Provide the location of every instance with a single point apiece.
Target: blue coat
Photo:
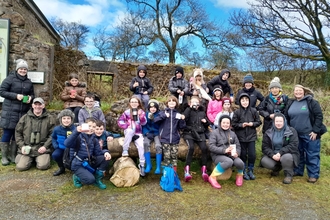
(151, 126)
(60, 134)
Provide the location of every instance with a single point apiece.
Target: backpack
(67, 161)
(170, 180)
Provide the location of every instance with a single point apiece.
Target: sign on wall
(4, 49)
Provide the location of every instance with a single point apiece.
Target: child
(222, 81)
(141, 85)
(226, 110)
(245, 121)
(197, 125)
(85, 170)
(225, 150)
(73, 95)
(170, 122)
(132, 121)
(215, 105)
(179, 88)
(199, 88)
(151, 133)
(60, 133)
(104, 136)
(89, 111)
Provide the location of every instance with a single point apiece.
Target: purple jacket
(125, 121)
(169, 126)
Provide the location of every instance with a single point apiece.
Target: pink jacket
(125, 121)
(213, 108)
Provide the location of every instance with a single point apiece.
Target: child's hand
(79, 128)
(140, 111)
(244, 124)
(109, 138)
(203, 120)
(182, 117)
(107, 156)
(135, 84)
(250, 124)
(167, 114)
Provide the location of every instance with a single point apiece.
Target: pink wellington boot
(214, 183)
(239, 180)
(187, 176)
(204, 174)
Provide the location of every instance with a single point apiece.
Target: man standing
(33, 137)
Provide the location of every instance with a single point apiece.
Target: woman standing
(17, 90)
(305, 115)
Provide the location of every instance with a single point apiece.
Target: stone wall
(30, 40)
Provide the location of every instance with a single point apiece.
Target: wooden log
(126, 174)
(116, 149)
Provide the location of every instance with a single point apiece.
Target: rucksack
(67, 160)
(170, 180)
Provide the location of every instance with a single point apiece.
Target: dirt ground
(37, 194)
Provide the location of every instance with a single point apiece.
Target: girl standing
(215, 105)
(226, 110)
(132, 121)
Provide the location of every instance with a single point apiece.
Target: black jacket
(254, 96)
(195, 128)
(217, 80)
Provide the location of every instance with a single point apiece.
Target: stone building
(32, 38)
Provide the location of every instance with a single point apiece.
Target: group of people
(195, 110)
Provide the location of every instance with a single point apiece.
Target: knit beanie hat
(225, 100)
(275, 83)
(248, 78)
(153, 103)
(20, 63)
(179, 69)
(217, 88)
(65, 112)
(198, 72)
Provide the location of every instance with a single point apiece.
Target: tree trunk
(126, 174)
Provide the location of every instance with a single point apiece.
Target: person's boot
(276, 170)
(250, 172)
(187, 176)
(158, 163)
(4, 153)
(217, 171)
(76, 181)
(205, 176)
(98, 178)
(239, 178)
(148, 162)
(245, 174)
(142, 170)
(60, 171)
(13, 151)
(287, 177)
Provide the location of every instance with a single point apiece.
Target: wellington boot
(239, 180)
(205, 176)
(60, 171)
(142, 170)
(76, 181)
(98, 177)
(245, 175)
(13, 151)
(158, 163)
(148, 162)
(187, 176)
(214, 183)
(4, 153)
(251, 174)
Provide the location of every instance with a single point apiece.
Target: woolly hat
(275, 83)
(248, 78)
(20, 63)
(153, 103)
(225, 100)
(179, 69)
(198, 72)
(66, 112)
(307, 91)
(217, 88)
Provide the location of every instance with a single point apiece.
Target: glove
(135, 137)
(150, 136)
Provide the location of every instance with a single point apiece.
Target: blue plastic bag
(170, 180)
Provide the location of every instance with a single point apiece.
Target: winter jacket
(30, 123)
(95, 113)
(315, 115)
(13, 109)
(169, 126)
(254, 96)
(144, 83)
(268, 107)
(220, 140)
(151, 126)
(60, 134)
(125, 121)
(176, 84)
(242, 115)
(195, 129)
(213, 108)
(80, 91)
(92, 145)
(217, 80)
(290, 144)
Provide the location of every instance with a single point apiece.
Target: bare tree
(170, 21)
(284, 26)
(73, 34)
(218, 58)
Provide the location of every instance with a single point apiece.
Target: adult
(304, 114)
(33, 136)
(222, 82)
(225, 150)
(273, 103)
(17, 91)
(73, 95)
(280, 148)
(248, 88)
(179, 87)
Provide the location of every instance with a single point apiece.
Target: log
(116, 149)
(126, 174)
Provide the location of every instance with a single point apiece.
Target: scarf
(276, 99)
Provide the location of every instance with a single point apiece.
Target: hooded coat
(144, 82)
(61, 132)
(178, 83)
(217, 80)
